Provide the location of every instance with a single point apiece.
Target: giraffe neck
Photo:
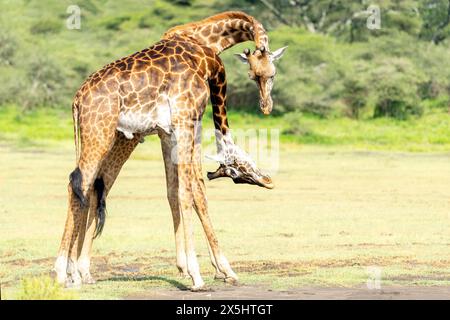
(230, 152)
(223, 31)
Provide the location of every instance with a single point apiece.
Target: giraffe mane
(230, 152)
(189, 27)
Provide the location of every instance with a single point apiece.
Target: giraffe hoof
(201, 288)
(59, 278)
(72, 283)
(219, 276)
(88, 279)
(232, 281)
(183, 275)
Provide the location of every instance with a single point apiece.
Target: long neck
(223, 31)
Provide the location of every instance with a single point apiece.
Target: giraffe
(162, 90)
(236, 164)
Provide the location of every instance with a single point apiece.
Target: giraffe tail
(99, 187)
(76, 129)
(76, 178)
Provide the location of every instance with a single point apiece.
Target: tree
(436, 20)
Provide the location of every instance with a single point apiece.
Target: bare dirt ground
(139, 271)
(259, 293)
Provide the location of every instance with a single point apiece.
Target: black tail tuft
(99, 187)
(76, 183)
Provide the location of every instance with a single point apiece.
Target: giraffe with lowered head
(162, 90)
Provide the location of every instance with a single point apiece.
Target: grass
(331, 215)
(431, 133)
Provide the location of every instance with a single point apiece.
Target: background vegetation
(335, 67)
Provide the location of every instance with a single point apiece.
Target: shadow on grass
(172, 282)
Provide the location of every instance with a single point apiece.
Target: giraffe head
(262, 71)
(237, 165)
(242, 172)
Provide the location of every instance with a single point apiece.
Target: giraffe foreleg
(200, 203)
(218, 259)
(182, 155)
(172, 196)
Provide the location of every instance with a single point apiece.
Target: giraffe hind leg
(90, 184)
(91, 228)
(110, 168)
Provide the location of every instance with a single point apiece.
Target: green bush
(402, 21)
(182, 2)
(147, 21)
(318, 107)
(44, 84)
(8, 48)
(43, 288)
(114, 23)
(441, 102)
(355, 96)
(396, 83)
(45, 26)
(294, 125)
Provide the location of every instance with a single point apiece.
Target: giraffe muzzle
(266, 104)
(266, 182)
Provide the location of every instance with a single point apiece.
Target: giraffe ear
(277, 54)
(242, 57)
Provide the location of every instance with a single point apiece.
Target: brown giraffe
(162, 90)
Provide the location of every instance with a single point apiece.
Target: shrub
(396, 84)
(43, 288)
(12, 89)
(44, 83)
(186, 3)
(355, 96)
(405, 21)
(294, 125)
(318, 107)
(8, 47)
(430, 89)
(114, 23)
(46, 26)
(146, 21)
(242, 95)
(441, 102)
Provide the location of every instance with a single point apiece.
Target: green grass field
(430, 133)
(333, 213)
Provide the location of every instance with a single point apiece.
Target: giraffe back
(151, 89)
